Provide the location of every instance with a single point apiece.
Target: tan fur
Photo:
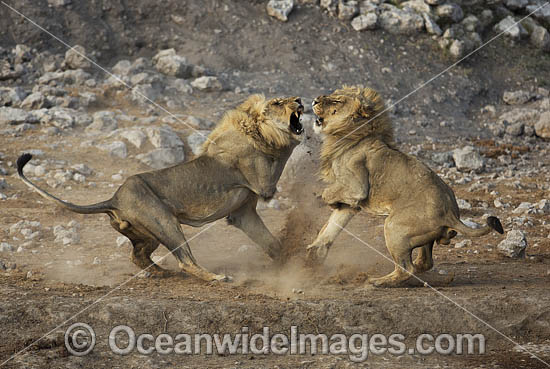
(252, 145)
(364, 170)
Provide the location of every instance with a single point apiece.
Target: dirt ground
(48, 286)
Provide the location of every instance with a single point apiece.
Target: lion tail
(493, 223)
(101, 207)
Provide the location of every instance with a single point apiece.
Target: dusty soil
(54, 286)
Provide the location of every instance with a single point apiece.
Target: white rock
(77, 177)
(116, 177)
(516, 4)
(509, 28)
(96, 261)
(145, 93)
(103, 121)
(195, 141)
(12, 96)
(82, 169)
(540, 38)
(116, 149)
(467, 158)
(121, 240)
(514, 245)
(134, 136)
(15, 116)
(280, 9)
(365, 22)
(523, 115)
(463, 204)
(169, 63)
(122, 68)
(347, 9)
(395, 20)
(207, 83)
(35, 101)
(431, 26)
(450, 12)
(74, 58)
(542, 128)
(463, 243)
(516, 97)
(544, 206)
(59, 2)
(163, 137)
(163, 157)
(524, 208)
(5, 247)
(457, 49)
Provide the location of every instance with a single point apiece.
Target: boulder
(163, 157)
(347, 9)
(74, 58)
(449, 13)
(103, 121)
(400, 21)
(280, 9)
(514, 245)
(467, 158)
(365, 22)
(540, 38)
(163, 137)
(542, 128)
(195, 141)
(207, 83)
(169, 63)
(510, 28)
(516, 97)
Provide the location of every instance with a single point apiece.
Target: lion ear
(366, 108)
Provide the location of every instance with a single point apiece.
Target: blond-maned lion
(365, 170)
(242, 160)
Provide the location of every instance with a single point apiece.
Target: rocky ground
(157, 80)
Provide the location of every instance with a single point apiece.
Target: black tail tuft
(494, 223)
(22, 161)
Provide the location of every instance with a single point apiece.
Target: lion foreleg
(339, 218)
(248, 221)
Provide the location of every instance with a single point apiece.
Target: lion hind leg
(143, 246)
(424, 259)
(398, 242)
(162, 226)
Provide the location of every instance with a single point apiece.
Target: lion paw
(316, 254)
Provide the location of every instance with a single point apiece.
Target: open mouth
(295, 125)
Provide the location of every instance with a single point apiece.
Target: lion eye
(334, 112)
(278, 102)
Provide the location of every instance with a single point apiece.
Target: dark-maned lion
(364, 170)
(242, 161)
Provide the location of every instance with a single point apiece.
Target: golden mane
(249, 119)
(368, 120)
